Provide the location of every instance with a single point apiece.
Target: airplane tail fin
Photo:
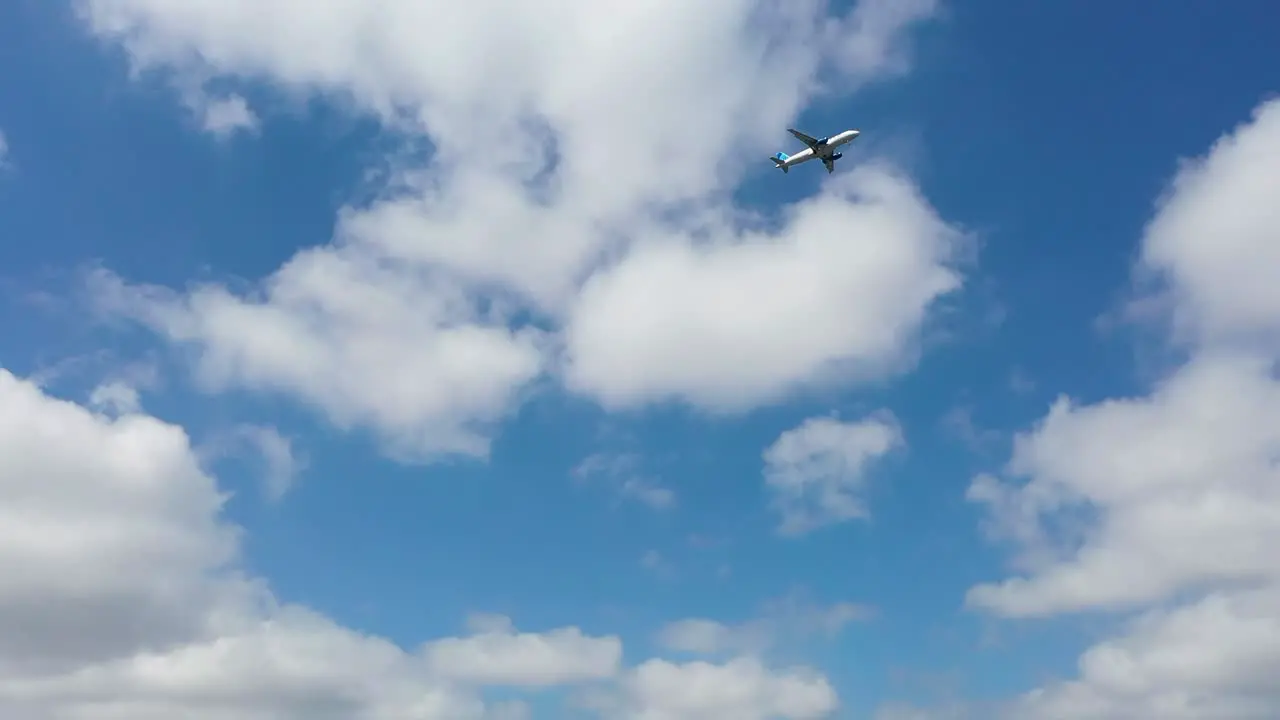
(780, 161)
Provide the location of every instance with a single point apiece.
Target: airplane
(823, 149)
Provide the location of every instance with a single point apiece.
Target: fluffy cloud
(121, 597)
(1213, 243)
(816, 469)
(1172, 500)
(367, 344)
(497, 655)
(741, 320)
(1173, 492)
(741, 689)
(108, 536)
(224, 116)
(568, 224)
(1215, 659)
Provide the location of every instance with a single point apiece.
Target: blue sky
(1042, 136)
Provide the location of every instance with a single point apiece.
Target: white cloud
(108, 536)
(224, 116)
(1215, 659)
(741, 689)
(496, 656)
(817, 469)
(1170, 502)
(1213, 240)
(365, 343)
(742, 320)
(869, 42)
(116, 396)
(121, 386)
(412, 322)
(1173, 492)
(121, 596)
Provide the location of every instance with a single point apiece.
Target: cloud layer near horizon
(122, 596)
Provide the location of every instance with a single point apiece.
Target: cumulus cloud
(109, 539)
(741, 689)
(816, 470)
(1169, 503)
(1210, 659)
(499, 656)
(122, 596)
(366, 343)
(742, 320)
(1212, 245)
(438, 307)
(1177, 491)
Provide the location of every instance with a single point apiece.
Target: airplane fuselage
(826, 148)
(823, 149)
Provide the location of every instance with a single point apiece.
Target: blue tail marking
(779, 161)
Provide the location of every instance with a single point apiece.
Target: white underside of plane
(823, 149)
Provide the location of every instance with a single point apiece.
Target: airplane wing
(830, 163)
(806, 139)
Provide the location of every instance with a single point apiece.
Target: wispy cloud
(622, 474)
(959, 422)
(282, 465)
(1020, 382)
(792, 618)
(816, 470)
(278, 462)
